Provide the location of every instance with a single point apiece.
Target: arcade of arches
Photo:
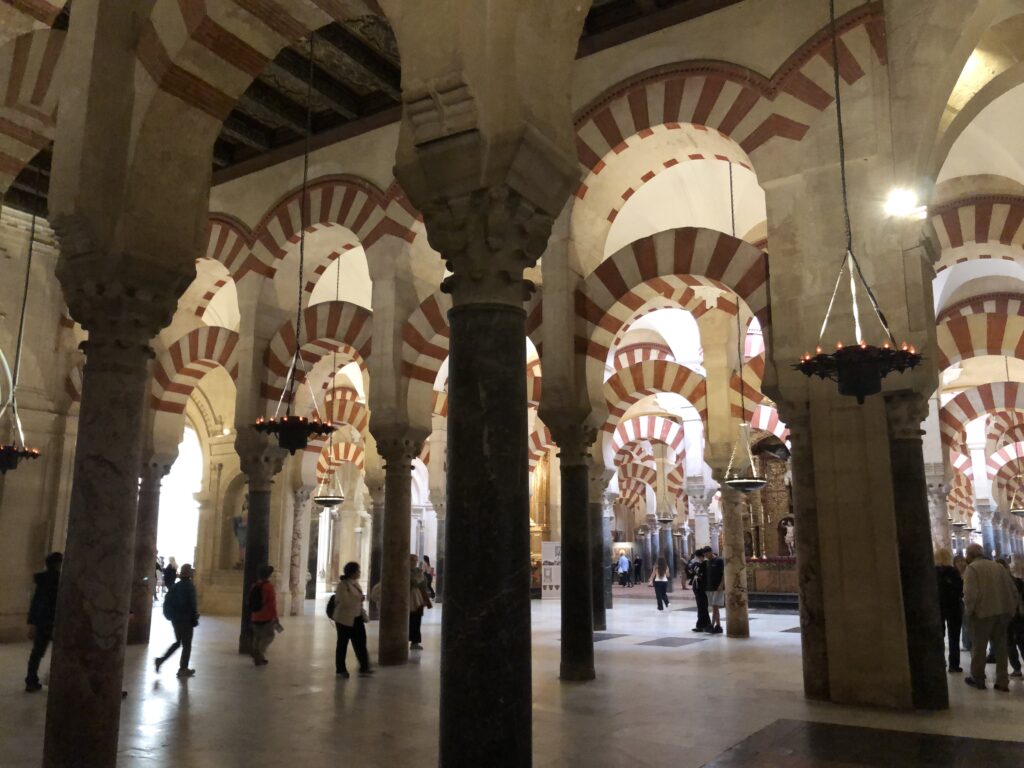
(539, 302)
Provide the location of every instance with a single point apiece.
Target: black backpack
(171, 603)
(330, 607)
(256, 598)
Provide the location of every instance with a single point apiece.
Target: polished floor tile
(650, 705)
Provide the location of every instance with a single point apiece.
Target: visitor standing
(263, 608)
(696, 573)
(659, 578)
(638, 570)
(418, 601)
(180, 608)
(951, 603)
(624, 568)
(41, 614)
(715, 587)
(1015, 636)
(170, 573)
(960, 563)
(991, 598)
(428, 574)
(349, 621)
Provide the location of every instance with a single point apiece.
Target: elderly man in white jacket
(350, 621)
(990, 601)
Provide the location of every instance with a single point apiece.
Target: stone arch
(766, 419)
(636, 473)
(630, 385)
(743, 403)
(32, 78)
(995, 221)
(653, 428)
(964, 337)
(228, 242)
(179, 369)
(978, 401)
(424, 350)
(633, 354)
(1013, 452)
(327, 327)
(539, 443)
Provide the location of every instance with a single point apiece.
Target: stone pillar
(986, 512)
(260, 461)
(297, 563)
(813, 639)
(598, 562)
(439, 502)
(607, 525)
(698, 504)
(715, 534)
(737, 619)
(757, 532)
(397, 450)
(577, 648)
(905, 412)
(376, 486)
(144, 572)
(938, 513)
(122, 304)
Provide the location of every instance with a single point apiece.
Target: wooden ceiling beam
(244, 130)
(340, 98)
(284, 109)
(387, 76)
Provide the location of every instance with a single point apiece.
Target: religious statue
(240, 524)
(789, 537)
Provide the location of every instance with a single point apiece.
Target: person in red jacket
(263, 607)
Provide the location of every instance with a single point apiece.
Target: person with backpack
(659, 579)
(180, 608)
(263, 615)
(345, 609)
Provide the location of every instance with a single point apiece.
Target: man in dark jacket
(714, 586)
(696, 574)
(181, 610)
(41, 614)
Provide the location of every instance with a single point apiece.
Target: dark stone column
(607, 522)
(577, 647)
(666, 549)
(84, 702)
(597, 562)
(376, 540)
(393, 639)
(737, 619)
(260, 467)
(813, 639)
(439, 509)
(144, 572)
(905, 412)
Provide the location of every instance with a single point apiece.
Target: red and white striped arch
(179, 369)
(964, 337)
(675, 482)
(634, 278)
(539, 443)
(639, 472)
(331, 456)
(743, 406)
(326, 327)
(1006, 427)
(631, 354)
(959, 462)
(980, 219)
(630, 385)
(766, 419)
(1011, 304)
(1004, 456)
(534, 380)
(35, 76)
(955, 415)
(424, 349)
(638, 451)
(654, 429)
(736, 101)
(960, 499)
(227, 242)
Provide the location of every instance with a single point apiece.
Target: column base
(576, 674)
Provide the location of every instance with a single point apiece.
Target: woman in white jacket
(350, 621)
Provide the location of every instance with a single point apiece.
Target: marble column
(439, 502)
(577, 604)
(376, 486)
(938, 513)
(260, 461)
(986, 512)
(297, 563)
(398, 451)
(905, 412)
(813, 641)
(122, 305)
(666, 549)
(144, 571)
(715, 534)
(757, 532)
(737, 618)
(607, 525)
(598, 563)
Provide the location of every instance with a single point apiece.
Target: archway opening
(178, 530)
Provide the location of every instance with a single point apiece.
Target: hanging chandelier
(737, 479)
(293, 432)
(857, 368)
(329, 493)
(1016, 503)
(11, 453)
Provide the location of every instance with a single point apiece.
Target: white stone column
(299, 550)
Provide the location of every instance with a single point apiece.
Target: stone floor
(659, 700)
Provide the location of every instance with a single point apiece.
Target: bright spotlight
(903, 203)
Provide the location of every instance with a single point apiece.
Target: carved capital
(608, 504)
(301, 496)
(905, 411)
(599, 478)
(153, 471)
(398, 445)
(574, 439)
(260, 460)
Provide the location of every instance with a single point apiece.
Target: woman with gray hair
(951, 603)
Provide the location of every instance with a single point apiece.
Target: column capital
(599, 477)
(985, 510)
(399, 444)
(608, 504)
(573, 438)
(301, 495)
(905, 411)
(155, 468)
(260, 460)
(438, 502)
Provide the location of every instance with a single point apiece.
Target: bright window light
(903, 203)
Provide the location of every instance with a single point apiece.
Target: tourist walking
(41, 614)
(418, 601)
(951, 603)
(181, 609)
(659, 578)
(715, 587)
(991, 599)
(170, 573)
(624, 569)
(696, 575)
(263, 614)
(428, 574)
(1015, 634)
(346, 610)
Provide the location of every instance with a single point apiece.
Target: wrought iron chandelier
(735, 478)
(11, 453)
(293, 431)
(858, 368)
(1016, 503)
